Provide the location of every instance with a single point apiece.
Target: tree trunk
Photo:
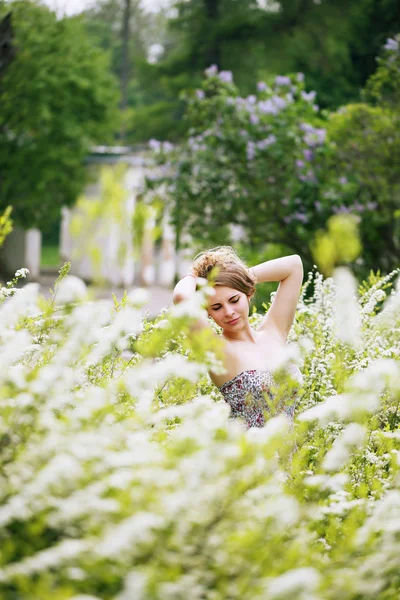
(213, 53)
(125, 66)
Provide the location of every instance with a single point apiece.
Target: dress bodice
(249, 395)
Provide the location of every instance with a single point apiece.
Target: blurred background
(120, 154)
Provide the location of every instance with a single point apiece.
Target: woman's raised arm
(288, 270)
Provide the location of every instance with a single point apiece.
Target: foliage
(334, 43)
(5, 224)
(123, 477)
(340, 244)
(272, 168)
(57, 98)
(104, 217)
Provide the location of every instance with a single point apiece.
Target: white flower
(292, 583)
(70, 289)
(347, 318)
(351, 437)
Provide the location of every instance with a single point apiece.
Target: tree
(57, 98)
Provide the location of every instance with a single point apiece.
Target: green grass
(50, 256)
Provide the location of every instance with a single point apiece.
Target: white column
(147, 273)
(167, 255)
(33, 250)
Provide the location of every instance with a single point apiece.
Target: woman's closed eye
(231, 301)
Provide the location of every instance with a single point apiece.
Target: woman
(247, 381)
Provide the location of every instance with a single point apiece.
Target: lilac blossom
(300, 76)
(226, 76)
(358, 206)
(267, 107)
(243, 133)
(308, 154)
(306, 127)
(279, 102)
(251, 99)
(372, 205)
(343, 180)
(315, 138)
(341, 209)
(282, 80)
(289, 98)
(318, 205)
(308, 97)
(155, 145)
(254, 120)
(200, 94)
(167, 146)
(263, 144)
(211, 71)
(261, 86)
(300, 163)
(250, 150)
(301, 217)
(391, 44)
(315, 107)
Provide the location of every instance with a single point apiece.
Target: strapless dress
(250, 397)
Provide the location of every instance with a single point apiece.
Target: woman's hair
(230, 270)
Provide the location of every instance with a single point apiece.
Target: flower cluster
(122, 475)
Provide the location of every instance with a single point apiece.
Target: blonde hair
(230, 269)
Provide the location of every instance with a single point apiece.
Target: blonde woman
(248, 353)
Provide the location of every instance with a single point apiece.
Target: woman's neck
(245, 334)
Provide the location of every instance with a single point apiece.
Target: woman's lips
(234, 321)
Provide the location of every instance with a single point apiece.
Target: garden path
(159, 297)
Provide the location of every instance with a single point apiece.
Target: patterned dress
(249, 396)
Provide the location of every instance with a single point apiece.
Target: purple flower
(279, 102)
(226, 76)
(251, 99)
(315, 138)
(261, 86)
(267, 107)
(167, 146)
(391, 44)
(254, 120)
(308, 154)
(343, 180)
(308, 97)
(300, 76)
(306, 127)
(300, 217)
(288, 219)
(211, 71)
(263, 144)
(282, 80)
(155, 145)
(244, 133)
(318, 205)
(285, 201)
(358, 207)
(315, 107)
(372, 205)
(300, 163)
(341, 209)
(250, 150)
(200, 94)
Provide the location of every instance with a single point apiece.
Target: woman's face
(229, 308)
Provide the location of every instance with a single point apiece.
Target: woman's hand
(185, 288)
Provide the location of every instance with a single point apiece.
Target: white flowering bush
(122, 476)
